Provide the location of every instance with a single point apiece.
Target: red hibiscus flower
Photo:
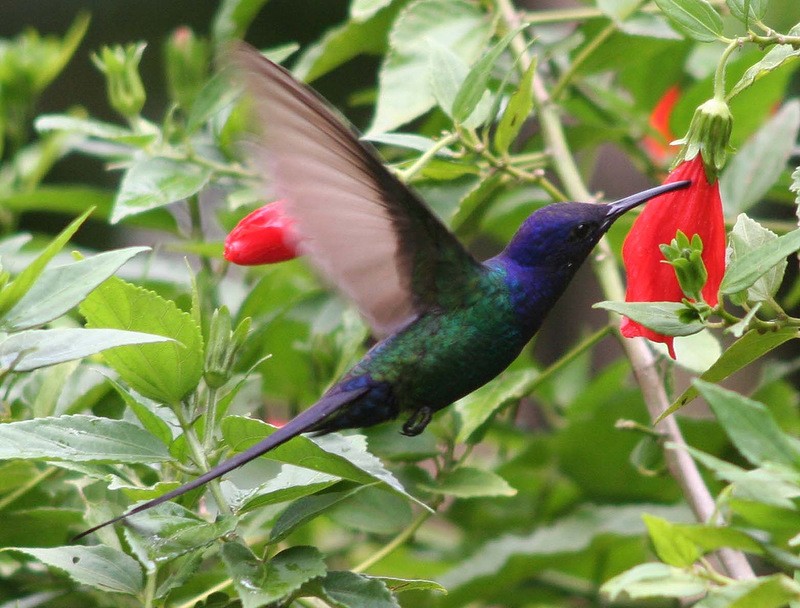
(658, 145)
(265, 236)
(694, 210)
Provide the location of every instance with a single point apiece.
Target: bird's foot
(418, 421)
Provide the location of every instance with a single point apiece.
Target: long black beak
(619, 207)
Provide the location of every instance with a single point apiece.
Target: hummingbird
(447, 323)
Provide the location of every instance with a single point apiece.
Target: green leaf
(104, 568)
(164, 372)
(710, 537)
(671, 546)
(233, 18)
(747, 235)
(351, 590)
(24, 281)
(156, 182)
(151, 421)
(474, 86)
(73, 199)
(654, 580)
(758, 165)
(169, 530)
(34, 348)
(747, 10)
(60, 288)
(697, 19)
(774, 591)
(259, 583)
(398, 585)
(410, 141)
(79, 439)
(340, 44)
(373, 510)
(750, 426)
(217, 94)
(476, 409)
(290, 484)
(743, 272)
(776, 57)
(345, 457)
(448, 71)
(658, 316)
(307, 508)
(468, 482)
(404, 80)
(361, 10)
(752, 346)
(519, 108)
(93, 128)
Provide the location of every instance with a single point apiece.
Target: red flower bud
(693, 210)
(265, 236)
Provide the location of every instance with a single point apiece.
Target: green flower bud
(222, 347)
(187, 59)
(686, 258)
(123, 83)
(709, 133)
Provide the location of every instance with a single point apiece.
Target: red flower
(694, 210)
(658, 146)
(265, 236)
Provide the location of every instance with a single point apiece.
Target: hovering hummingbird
(449, 323)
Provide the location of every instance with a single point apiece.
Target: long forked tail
(303, 422)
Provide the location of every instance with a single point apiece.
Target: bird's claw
(418, 421)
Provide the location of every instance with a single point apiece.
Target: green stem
(204, 594)
(585, 53)
(199, 456)
(211, 420)
(150, 587)
(719, 73)
(406, 174)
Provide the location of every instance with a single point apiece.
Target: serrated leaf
(476, 409)
(747, 234)
(519, 108)
(13, 292)
(405, 90)
(156, 182)
(334, 454)
(164, 372)
(60, 288)
(759, 163)
(697, 19)
(658, 316)
(80, 438)
(169, 530)
(34, 348)
(744, 271)
(672, 547)
(469, 482)
(100, 567)
(775, 58)
(752, 346)
(654, 580)
(351, 590)
(290, 484)
(749, 425)
(259, 583)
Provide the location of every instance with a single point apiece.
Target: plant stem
(23, 489)
(642, 359)
(719, 73)
(425, 158)
(396, 542)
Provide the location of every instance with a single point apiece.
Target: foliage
(547, 487)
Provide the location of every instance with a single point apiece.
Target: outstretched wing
(361, 227)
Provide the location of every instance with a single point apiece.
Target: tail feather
(306, 421)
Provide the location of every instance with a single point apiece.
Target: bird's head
(561, 236)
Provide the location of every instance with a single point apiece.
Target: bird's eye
(581, 231)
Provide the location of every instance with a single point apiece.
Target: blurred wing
(361, 227)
